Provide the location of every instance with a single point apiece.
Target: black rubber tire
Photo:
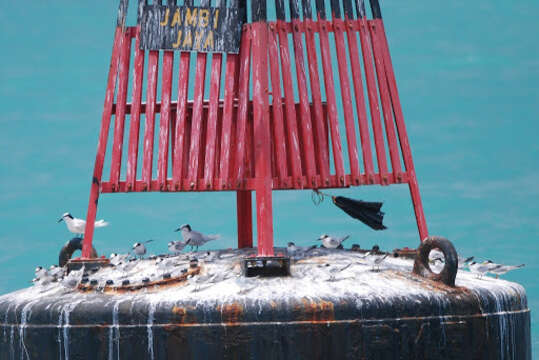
(69, 248)
(421, 263)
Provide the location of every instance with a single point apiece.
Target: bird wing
(211, 237)
(101, 223)
(340, 240)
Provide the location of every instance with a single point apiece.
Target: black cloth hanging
(367, 212)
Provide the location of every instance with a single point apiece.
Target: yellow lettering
(165, 20)
(215, 19)
(208, 44)
(203, 17)
(187, 40)
(177, 43)
(191, 17)
(176, 19)
(198, 38)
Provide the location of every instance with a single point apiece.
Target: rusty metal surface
(268, 330)
(421, 264)
(331, 306)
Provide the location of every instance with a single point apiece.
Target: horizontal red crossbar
(247, 184)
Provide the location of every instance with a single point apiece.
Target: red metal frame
(244, 142)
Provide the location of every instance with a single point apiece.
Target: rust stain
(184, 315)
(231, 313)
(316, 311)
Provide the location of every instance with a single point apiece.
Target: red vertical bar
(305, 109)
(360, 102)
(294, 150)
(172, 132)
(228, 111)
(262, 146)
(179, 154)
(321, 155)
(386, 102)
(346, 100)
(403, 137)
(373, 101)
(215, 82)
(149, 127)
(245, 219)
(332, 102)
(134, 127)
(243, 95)
(277, 107)
(196, 123)
(164, 121)
(102, 144)
(119, 121)
(217, 161)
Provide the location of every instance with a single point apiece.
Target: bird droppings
(315, 273)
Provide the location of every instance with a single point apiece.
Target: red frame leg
(245, 219)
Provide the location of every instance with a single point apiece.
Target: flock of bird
(195, 239)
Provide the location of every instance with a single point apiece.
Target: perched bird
(117, 259)
(77, 226)
(176, 247)
(42, 276)
(481, 268)
(298, 251)
(140, 249)
(40, 272)
(375, 259)
(463, 262)
(501, 269)
(332, 242)
(56, 272)
(194, 238)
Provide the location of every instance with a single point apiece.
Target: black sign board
(191, 28)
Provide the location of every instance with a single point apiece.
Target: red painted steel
(332, 103)
(245, 219)
(211, 140)
(279, 144)
(386, 103)
(351, 140)
(244, 143)
(372, 93)
(102, 144)
(306, 140)
(403, 136)
(196, 125)
(119, 120)
(243, 95)
(134, 127)
(264, 215)
(360, 100)
(149, 126)
(180, 155)
(164, 120)
(294, 158)
(317, 115)
(228, 111)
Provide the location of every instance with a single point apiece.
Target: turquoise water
(467, 74)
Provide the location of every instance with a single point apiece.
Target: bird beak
(319, 239)
(178, 229)
(61, 219)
